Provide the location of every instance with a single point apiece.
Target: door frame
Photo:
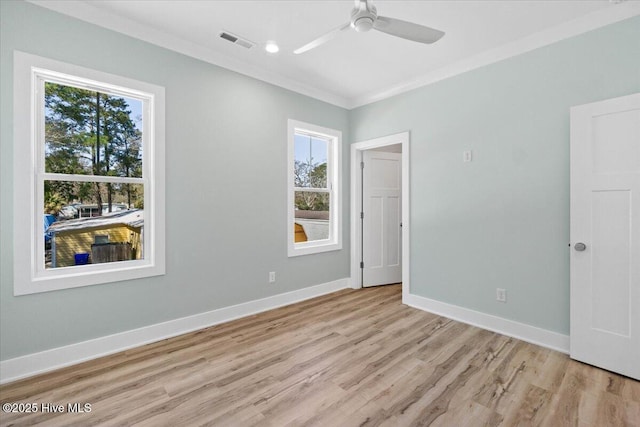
(356, 196)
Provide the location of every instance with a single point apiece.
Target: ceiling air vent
(237, 40)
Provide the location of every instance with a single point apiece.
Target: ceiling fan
(364, 17)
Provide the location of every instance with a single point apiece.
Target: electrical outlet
(501, 295)
(272, 277)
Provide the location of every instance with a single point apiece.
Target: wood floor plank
(351, 358)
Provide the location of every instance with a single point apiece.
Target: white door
(382, 215)
(605, 234)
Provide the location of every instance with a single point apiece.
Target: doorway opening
(397, 144)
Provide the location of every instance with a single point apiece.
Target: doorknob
(580, 247)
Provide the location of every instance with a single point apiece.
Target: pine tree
(92, 133)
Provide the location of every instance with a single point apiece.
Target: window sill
(78, 276)
(309, 248)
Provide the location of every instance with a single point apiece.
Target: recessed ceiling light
(271, 47)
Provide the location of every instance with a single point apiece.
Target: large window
(89, 161)
(314, 184)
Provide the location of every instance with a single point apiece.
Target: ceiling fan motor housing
(363, 17)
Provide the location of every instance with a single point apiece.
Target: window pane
(310, 168)
(92, 133)
(78, 232)
(311, 213)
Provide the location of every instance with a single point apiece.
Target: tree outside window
(91, 133)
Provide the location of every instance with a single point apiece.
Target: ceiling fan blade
(322, 39)
(407, 30)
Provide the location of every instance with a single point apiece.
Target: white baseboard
(521, 331)
(48, 360)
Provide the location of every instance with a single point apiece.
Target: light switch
(467, 156)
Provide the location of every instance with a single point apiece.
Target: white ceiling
(354, 68)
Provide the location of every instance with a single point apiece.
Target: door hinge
(361, 215)
(361, 264)
(361, 165)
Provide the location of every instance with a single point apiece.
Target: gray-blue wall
(226, 192)
(502, 221)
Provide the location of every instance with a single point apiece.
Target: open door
(605, 234)
(382, 218)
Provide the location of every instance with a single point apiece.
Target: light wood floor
(352, 358)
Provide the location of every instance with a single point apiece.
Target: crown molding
(581, 25)
(85, 11)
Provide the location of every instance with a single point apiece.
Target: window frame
(334, 185)
(30, 274)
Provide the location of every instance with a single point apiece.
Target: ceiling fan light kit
(364, 17)
(362, 25)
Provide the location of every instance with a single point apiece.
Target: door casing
(357, 148)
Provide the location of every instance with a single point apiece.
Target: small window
(314, 188)
(89, 159)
